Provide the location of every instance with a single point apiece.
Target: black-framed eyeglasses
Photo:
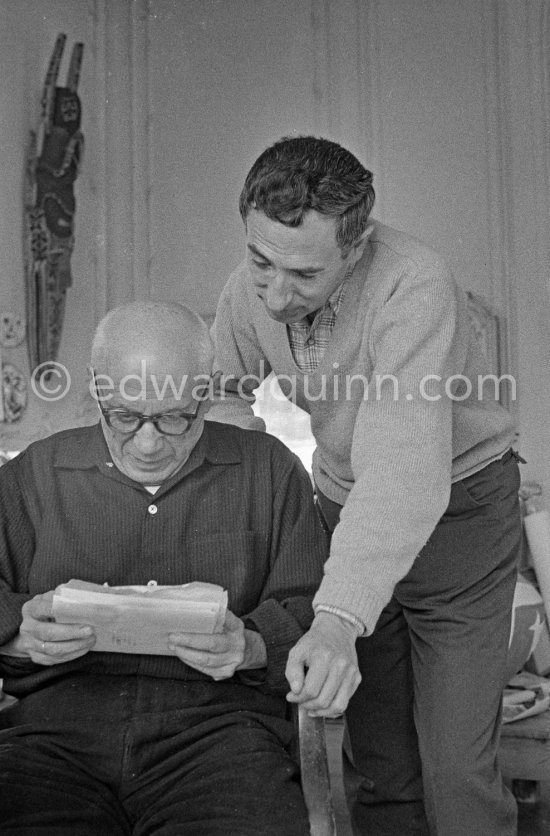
(174, 422)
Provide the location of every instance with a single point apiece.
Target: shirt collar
(333, 303)
(335, 299)
(86, 448)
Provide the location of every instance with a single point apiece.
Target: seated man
(192, 741)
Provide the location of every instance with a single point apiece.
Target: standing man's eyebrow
(258, 254)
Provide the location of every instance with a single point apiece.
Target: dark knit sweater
(239, 514)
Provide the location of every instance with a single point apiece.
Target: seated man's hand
(44, 641)
(219, 655)
(327, 653)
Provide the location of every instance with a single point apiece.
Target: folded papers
(138, 619)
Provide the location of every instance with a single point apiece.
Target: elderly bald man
(192, 741)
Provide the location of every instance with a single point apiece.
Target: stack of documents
(138, 619)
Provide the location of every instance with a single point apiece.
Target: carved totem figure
(53, 163)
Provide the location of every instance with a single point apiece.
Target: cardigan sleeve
(401, 453)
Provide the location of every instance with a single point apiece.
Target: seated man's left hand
(219, 655)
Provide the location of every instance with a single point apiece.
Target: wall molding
(123, 161)
(500, 209)
(347, 94)
(98, 177)
(140, 81)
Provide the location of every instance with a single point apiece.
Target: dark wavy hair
(299, 174)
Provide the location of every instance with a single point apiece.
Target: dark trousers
(112, 756)
(422, 729)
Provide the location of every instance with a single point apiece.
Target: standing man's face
(296, 269)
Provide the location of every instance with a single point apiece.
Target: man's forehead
(314, 238)
(150, 405)
(174, 389)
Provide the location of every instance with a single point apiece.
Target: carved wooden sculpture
(53, 163)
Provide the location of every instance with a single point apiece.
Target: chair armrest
(315, 774)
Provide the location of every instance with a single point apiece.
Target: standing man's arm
(239, 357)
(401, 459)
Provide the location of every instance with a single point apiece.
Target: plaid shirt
(308, 340)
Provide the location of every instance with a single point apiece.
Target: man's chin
(285, 318)
(150, 475)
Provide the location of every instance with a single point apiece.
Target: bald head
(152, 339)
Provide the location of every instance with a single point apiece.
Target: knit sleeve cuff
(280, 632)
(362, 603)
(346, 616)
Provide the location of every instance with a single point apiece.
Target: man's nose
(279, 293)
(148, 438)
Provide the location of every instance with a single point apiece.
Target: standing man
(415, 476)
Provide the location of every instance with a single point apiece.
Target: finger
(320, 675)
(199, 641)
(52, 632)
(215, 667)
(57, 648)
(52, 653)
(232, 622)
(322, 682)
(200, 657)
(327, 705)
(295, 672)
(39, 607)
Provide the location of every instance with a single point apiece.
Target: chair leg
(315, 774)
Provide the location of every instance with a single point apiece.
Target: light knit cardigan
(384, 451)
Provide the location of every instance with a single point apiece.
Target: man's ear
(216, 379)
(214, 388)
(358, 247)
(90, 379)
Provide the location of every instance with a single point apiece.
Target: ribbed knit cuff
(345, 616)
(353, 598)
(280, 632)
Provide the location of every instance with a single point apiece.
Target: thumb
(232, 622)
(295, 670)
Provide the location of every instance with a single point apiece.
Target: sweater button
(152, 509)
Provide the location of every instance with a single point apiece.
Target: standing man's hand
(44, 641)
(322, 668)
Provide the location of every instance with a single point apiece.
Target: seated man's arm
(261, 640)
(28, 635)
(17, 544)
(299, 548)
